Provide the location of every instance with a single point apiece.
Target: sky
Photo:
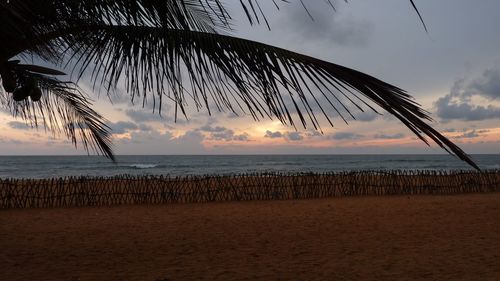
(453, 71)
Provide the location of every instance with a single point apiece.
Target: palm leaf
(229, 72)
(152, 44)
(419, 15)
(37, 69)
(63, 109)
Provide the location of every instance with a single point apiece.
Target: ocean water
(60, 166)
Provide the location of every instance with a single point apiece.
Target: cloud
(149, 137)
(122, 127)
(291, 136)
(314, 133)
(208, 128)
(389, 136)
(220, 133)
(457, 105)
(156, 142)
(488, 85)
(144, 116)
(273, 135)
(345, 136)
(144, 127)
(191, 136)
(328, 26)
(18, 125)
(226, 135)
(242, 137)
(294, 136)
(469, 134)
(448, 108)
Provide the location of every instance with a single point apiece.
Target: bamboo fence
(127, 189)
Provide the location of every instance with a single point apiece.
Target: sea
(175, 165)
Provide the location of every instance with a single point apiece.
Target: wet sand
(366, 238)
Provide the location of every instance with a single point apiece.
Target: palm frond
(64, 109)
(419, 15)
(153, 45)
(26, 23)
(229, 72)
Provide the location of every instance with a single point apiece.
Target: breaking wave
(143, 166)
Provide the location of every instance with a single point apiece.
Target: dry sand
(370, 238)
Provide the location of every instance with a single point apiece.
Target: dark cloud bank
(345, 136)
(291, 136)
(457, 105)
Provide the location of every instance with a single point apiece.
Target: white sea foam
(143, 166)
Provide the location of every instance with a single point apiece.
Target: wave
(143, 166)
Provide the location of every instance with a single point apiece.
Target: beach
(425, 237)
(249, 140)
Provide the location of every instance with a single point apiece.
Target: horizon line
(231, 154)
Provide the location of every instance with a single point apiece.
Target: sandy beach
(453, 237)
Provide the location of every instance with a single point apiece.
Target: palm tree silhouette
(177, 50)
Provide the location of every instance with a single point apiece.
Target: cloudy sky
(453, 71)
